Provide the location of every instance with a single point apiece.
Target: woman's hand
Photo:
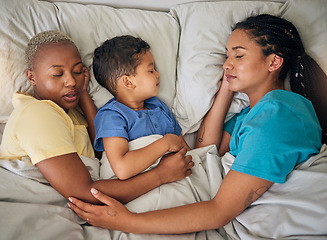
(112, 215)
(174, 166)
(88, 107)
(86, 79)
(85, 93)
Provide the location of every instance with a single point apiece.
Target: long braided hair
(279, 36)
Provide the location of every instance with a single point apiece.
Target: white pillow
(310, 19)
(19, 21)
(89, 26)
(205, 28)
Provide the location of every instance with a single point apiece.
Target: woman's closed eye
(57, 75)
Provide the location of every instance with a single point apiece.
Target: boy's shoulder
(112, 104)
(114, 107)
(155, 102)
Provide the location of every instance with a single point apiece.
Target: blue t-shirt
(115, 119)
(278, 133)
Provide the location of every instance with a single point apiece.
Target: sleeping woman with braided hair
(278, 131)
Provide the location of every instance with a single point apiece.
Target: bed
(187, 40)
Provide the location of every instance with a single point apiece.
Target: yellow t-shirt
(41, 129)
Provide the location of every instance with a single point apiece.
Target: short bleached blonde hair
(42, 39)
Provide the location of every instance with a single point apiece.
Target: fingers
(80, 208)
(103, 197)
(87, 211)
(183, 151)
(190, 164)
(86, 70)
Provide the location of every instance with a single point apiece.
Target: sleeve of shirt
(229, 125)
(44, 132)
(109, 123)
(269, 142)
(177, 127)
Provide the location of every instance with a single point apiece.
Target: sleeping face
(246, 68)
(57, 74)
(146, 78)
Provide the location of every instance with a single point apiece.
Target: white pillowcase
(89, 26)
(19, 21)
(310, 19)
(205, 28)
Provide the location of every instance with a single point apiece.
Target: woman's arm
(237, 192)
(126, 163)
(87, 105)
(211, 129)
(69, 176)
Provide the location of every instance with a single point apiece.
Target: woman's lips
(71, 96)
(229, 77)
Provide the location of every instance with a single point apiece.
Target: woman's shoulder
(288, 109)
(285, 99)
(25, 104)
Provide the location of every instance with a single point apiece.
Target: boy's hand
(174, 166)
(174, 142)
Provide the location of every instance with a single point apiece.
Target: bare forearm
(136, 161)
(127, 190)
(89, 109)
(185, 219)
(211, 128)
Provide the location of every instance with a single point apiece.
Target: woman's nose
(70, 81)
(227, 64)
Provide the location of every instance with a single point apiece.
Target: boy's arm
(126, 163)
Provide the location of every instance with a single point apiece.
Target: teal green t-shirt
(278, 133)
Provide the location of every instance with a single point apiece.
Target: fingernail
(94, 191)
(70, 199)
(69, 205)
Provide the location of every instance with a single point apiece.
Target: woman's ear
(30, 76)
(275, 63)
(127, 82)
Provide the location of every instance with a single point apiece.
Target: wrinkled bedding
(31, 209)
(296, 209)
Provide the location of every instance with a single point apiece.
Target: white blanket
(31, 209)
(197, 187)
(296, 209)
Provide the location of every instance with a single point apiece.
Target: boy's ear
(30, 76)
(127, 82)
(276, 63)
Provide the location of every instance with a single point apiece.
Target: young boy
(125, 66)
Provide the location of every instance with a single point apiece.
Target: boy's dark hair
(279, 36)
(117, 57)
